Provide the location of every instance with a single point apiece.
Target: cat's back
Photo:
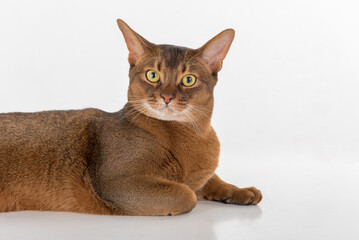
(43, 154)
(15, 123)
(36, 136)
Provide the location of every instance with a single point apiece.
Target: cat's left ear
(216, 49)
(136, 44)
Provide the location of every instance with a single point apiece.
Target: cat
(156, 156)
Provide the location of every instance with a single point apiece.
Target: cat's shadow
(228, 211)
(207, 221)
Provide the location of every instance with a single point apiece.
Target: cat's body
(138, 161)
(44, 158)
(91, 147)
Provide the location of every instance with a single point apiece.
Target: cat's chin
(166, 114)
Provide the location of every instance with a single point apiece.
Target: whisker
(201, 107)
(199, 111)
(139, 112)
(134, 110)
(192, 121)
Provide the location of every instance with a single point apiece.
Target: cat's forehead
(173, 56)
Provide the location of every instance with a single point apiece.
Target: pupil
(153, 75)
(188, 79)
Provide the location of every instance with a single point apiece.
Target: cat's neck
(200, 126)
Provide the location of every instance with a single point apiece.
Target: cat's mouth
(166, 109)
(166, 112)
(160, 110)
(173, 111)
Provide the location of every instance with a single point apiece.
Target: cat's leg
(218, 190)
(148, 195)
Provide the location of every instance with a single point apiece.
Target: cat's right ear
(136, 44)
(216, 49)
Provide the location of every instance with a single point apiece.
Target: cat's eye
(188, 80)
(152, 76)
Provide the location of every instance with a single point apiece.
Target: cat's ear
(136, 44)
(216, 49)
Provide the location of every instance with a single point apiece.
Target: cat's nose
(167, 97)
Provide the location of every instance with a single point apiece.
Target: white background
(286, 104)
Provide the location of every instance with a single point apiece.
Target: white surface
(302, 201)
(286, 108)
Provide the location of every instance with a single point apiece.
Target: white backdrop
(288, 89)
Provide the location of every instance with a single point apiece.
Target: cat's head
(174, 83)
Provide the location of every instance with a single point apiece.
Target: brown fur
(129, 162)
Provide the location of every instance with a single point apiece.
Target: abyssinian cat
(156, 156)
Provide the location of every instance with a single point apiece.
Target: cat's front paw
(245, 196)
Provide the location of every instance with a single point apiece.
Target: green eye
(188, 80)
(152, 76)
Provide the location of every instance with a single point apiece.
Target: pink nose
(167, 97)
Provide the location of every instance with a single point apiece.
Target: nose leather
(167, 97)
